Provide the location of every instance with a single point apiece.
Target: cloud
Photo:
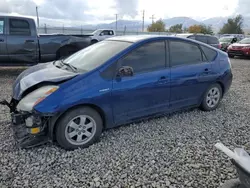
(243, 8)
(127, 7)
(55, 9)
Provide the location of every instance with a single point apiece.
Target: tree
(233, 26)
(158, 26)
(176, 28)
(200, 29)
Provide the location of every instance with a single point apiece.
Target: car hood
(44, 72)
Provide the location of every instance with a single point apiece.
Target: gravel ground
(173, 151)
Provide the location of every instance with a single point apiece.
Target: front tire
(79, 128)
(212, 98)
(231, 56)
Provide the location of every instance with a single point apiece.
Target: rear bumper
(23, 137)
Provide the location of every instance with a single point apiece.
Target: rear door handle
(29, 41)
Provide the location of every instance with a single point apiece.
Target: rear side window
(213, 40)
(19, 27)
(202, 39)
(184, 53)
(1, 26)
(209, 53)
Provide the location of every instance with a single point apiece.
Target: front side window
(95, 55)
(149, 57)
(1, 26)
(184, 53)
(19, 27)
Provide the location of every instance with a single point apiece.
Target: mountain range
(136, 25)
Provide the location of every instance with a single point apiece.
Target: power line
(152, 17)
(143, 17)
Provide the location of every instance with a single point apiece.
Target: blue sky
(96, 11)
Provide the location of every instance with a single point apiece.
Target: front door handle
(1, 40)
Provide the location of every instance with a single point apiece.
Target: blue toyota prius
(114, 82)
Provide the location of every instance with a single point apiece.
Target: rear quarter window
(209, 53)
(213, 40)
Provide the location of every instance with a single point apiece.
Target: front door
(22, 42)
(147, 91)
(191, 73)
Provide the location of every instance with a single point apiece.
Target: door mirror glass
(125, 71)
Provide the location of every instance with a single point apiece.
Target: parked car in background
(21, 45)
(114, 82)
(241, 48)
(208, 39)
(99, 35)
(227, 41)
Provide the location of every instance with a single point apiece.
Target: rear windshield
(213, 40)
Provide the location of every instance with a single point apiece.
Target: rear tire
(79, 128)
(212, 98)
(94, 41)
(65, 52)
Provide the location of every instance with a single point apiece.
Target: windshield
(95, 55)
(245, 41)
(225, 39)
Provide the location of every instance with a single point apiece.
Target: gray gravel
(173, 151)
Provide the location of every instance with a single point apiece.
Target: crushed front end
(29, 128)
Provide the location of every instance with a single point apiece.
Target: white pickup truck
(99, 35)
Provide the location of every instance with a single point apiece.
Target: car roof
(138, 38)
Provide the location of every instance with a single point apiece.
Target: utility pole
(116, 16)
(143, 16)
(37, 17)
(152, 17)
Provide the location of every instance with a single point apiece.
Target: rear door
(4, 57)
(191, 73)
(22, 42)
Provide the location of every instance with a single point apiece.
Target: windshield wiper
(69, 65)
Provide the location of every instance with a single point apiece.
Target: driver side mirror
(125, 71)
(101, 34)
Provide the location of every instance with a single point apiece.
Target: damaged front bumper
(29, 129)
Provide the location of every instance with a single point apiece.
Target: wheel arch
(54, 120)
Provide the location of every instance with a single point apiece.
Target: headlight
(35, 97)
